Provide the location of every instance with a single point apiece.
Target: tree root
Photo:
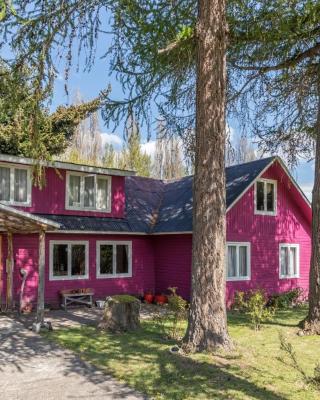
(309, 328)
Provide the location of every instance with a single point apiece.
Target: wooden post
(41, 278)
(1, 273)
(9, 265)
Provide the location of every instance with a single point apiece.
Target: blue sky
(90, 84)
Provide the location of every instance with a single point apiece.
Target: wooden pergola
(13, 221)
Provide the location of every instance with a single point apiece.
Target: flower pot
(161, 299)
(148, 298)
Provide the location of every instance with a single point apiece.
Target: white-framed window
(114, 259)
(238, 261)
(265, 197)
(289, 260)
(68, 260)
(88, 192)
(15, 185)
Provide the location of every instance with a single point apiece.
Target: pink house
(111, 231)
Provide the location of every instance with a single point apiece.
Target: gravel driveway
(31, 368)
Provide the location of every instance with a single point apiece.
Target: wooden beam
(9, 265)
(1, 273)
(41, 278)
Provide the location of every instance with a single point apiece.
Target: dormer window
(88, 192)
(15, 185)
(266, 197)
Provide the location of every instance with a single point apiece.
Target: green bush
(169, 321)
(254, 304)
(291, 298)
(124, 298)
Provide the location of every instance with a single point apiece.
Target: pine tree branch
(290, 62)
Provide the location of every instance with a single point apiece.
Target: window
(266, 197)
(68, 260)
(88, 192)
(15, 185)
(238, 261)
(114, 259)
(289, 260)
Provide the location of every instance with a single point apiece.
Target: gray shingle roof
(156, 206)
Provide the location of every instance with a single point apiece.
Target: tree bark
(207, 325)
(312, 322)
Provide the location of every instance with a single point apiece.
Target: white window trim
(289, 245)
(259, 212)
(113, 243)
(239, 278)
(11, 202)
(81, 207)
(68, 277)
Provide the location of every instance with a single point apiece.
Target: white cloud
(307, 189)
(111, 138)
(149, 147)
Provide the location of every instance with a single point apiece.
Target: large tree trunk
(312, 323)
(207, 325)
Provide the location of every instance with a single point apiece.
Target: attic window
(88, 192)
(266, 197)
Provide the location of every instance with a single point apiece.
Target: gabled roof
(157, 207)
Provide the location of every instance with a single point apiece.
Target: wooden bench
(77, 296)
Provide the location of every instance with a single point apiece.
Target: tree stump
(121, 314)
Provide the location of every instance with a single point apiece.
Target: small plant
(169, 322)
(254, 304)
(239, 301)
(291, 298)
(288, 350)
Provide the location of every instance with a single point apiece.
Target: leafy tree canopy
(17, 114)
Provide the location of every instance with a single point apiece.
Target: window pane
(260, 196)
(60, 259)
(78, 259)
(293, 260)
(270, 196)
(243, 261)
(102, 194)
(89, 191)
(232, 261)
(74, 190)
(106, 258)
(20, 185)
(284, 261)
(4, 184)
(122, 259)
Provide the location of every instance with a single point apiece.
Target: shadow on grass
(143, 360)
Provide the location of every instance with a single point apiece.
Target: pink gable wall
(265, 233)
(51, 199)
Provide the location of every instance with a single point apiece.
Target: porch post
(9, 267)
(41, 279)
(1, 273)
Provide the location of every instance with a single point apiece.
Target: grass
(254, 371)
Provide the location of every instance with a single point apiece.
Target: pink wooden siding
(51, 199)
(265, 233)
(26, 256)
(161, 261)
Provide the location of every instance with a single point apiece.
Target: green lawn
(253, 371)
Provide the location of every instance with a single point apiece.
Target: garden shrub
(290, 298)
(169, 322)
(254, 304)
